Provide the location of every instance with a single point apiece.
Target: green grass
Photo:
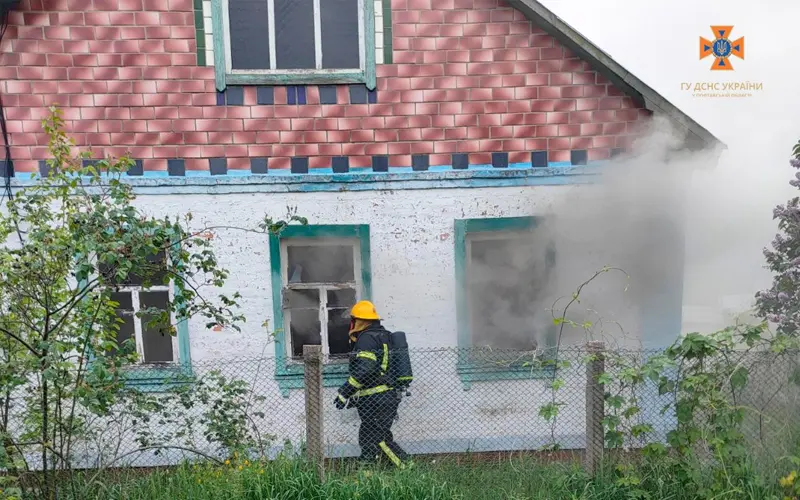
(279, 480)
(510, 480)
(529, 479)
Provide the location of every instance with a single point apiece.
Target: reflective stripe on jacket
(369, 362)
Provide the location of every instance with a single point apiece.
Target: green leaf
(631, 411)
(549, 411)
(641, 430)
(739, 377)
(654, 450)
(615, 401)
(665, 386)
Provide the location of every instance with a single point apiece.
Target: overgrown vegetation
(284, 479)
(67, 244)
(512, 479)
(692, 412)
(699, 385)
(780, 304)
(67, 397)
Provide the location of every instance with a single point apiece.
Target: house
(413, 134)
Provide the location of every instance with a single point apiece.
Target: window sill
(293, 377)
(470, 373)
(157, 378)
(294, 78)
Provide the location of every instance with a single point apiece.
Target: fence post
(312, 360)
(595, 440)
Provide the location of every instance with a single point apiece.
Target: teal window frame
(224, 75)
(467, 370)
(291, 375)
(158, 378)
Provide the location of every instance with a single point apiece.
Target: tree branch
(18, 339)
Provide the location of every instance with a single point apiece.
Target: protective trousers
(377, 414)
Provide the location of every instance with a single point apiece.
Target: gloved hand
(340, 402)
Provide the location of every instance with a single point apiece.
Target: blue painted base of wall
(321, 180)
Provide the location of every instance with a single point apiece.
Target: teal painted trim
(474, 170)
(294, 78)
(366, 261)
(184, 345)
(182, 326)
(388, 56)
(466, 370)
(219, 44)
(462, 319)
(277, 310)
(369, 44)
(332, 369)
(358, 181)
(287, 384)
(290, 375)
(499, 224)
(149, 378)
(326, 231)
(468, 375)
(157, 379)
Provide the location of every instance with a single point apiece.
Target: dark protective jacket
(369, 363)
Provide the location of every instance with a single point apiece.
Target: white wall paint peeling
(413, 285)
(411, 244)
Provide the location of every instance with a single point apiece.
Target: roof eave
(697, 137)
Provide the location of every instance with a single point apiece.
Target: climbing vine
(683, 405)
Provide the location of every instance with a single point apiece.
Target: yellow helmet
(364, 310)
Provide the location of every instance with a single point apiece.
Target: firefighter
(369, 387)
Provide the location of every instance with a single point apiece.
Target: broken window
(144, 310)
(507, 279)
(321, 284)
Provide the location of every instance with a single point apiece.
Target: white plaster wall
(413, 275)
(413, 287)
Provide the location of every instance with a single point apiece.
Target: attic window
(297, 41)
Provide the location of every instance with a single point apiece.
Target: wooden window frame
(356, 284)
(467, 230)
(156, 377)
(225, 75)
(289, 373)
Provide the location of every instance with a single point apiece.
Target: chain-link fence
(466, 403)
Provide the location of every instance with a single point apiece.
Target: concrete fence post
(312, 360)
(595, 411)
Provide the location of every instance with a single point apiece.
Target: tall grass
(511, 480)
(532, 479)
(278, 480)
